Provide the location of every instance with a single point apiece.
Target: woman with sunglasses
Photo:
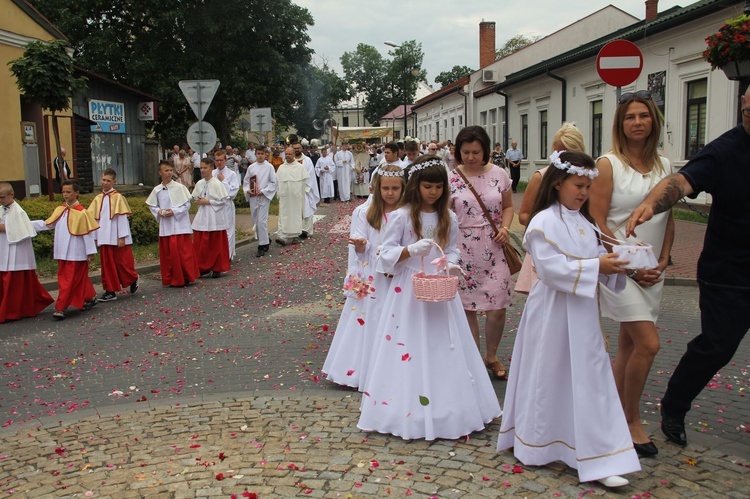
(626, 175)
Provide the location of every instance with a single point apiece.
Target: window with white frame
(525, 135)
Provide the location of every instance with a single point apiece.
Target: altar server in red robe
(210, 223)
(111, 210)
(21, 293)
(169, 202)
(75, 247)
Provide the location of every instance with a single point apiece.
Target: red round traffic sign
(619, 63)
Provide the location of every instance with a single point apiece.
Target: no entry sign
(619, 63)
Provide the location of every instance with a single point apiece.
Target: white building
(531, 99)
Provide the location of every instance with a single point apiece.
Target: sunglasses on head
(627, 97)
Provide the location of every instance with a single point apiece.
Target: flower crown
(384, 173)
(426, 164)
(554, 159)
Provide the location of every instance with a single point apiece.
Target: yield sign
(199, 94)
(619, 63)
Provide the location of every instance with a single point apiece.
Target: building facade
(531, 99)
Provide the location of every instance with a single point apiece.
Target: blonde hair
(377, 206)
(570, 137)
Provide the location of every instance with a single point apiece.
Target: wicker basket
(434, 287)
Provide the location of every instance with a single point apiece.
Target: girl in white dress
(561, 403)
(349, 355)
(426, 377)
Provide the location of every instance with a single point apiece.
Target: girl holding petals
(426, 378)
(348, 357)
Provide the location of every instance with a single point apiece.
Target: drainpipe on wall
(505, 118)
(466, 105)
(564, 92)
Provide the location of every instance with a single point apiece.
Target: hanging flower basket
(736, 70)
(729, 48)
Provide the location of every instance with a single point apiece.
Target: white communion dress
(561, 403)
(426, 378)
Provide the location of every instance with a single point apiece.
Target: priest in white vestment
(293, 186)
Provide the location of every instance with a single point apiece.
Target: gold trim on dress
(613, 453)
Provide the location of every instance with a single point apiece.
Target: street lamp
(414, 72)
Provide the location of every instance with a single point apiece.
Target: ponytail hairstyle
(548, 194)
(377, 206)
(428, 168)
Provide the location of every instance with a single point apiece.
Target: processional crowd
(428, 254)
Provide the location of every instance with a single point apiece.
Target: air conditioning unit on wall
(489, 75)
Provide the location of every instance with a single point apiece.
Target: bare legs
(493, 331)
(638, 344)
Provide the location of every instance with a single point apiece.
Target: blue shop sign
(109, 116)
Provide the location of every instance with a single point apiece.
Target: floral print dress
(488, 283)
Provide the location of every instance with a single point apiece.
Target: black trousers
(515, 176)
(725, 319)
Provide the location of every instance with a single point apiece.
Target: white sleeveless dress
(635, 303)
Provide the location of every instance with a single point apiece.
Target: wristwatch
(632, 274)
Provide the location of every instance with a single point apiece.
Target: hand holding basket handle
(420, 248)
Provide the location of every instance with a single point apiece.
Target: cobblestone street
(216, 390)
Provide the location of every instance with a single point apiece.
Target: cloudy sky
(449, 35)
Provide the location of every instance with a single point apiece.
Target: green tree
(45, 76)
(514, 44)
(382, 80)
(257, 49)
(448, 77)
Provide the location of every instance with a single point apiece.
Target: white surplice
(326, 176)
(267, 183)
(67, 246)
(112, 229)
(211, 217)
(161, 199)
(231, 183)
(16, 248)
(561, 403)
(425, 378)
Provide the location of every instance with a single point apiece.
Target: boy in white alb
(114, 238)
(260, 187)
(231, 181)
(210, 240)
(169, 202)
(21, 293)
(325, 168)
